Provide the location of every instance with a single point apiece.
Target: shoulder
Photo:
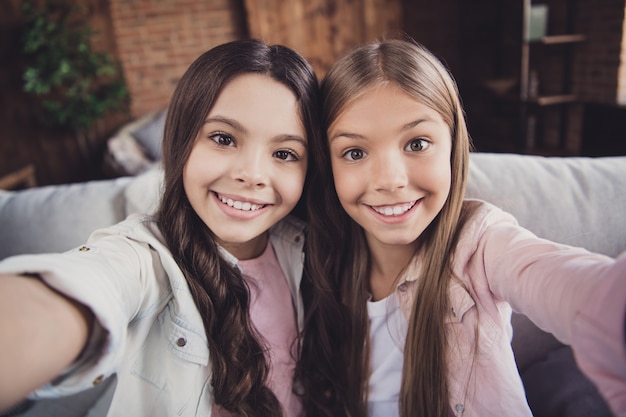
(141, 228)
(480, 220)
(480, 215)
(290, 228)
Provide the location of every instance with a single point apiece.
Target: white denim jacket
(156, 343)
(578, 296)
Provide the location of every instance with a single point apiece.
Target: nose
(252, 168)
(389, 172)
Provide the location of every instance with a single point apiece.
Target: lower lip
(395, 219)
(236, 213)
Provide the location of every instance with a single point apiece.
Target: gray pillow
(150, 135)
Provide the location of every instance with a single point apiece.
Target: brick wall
(157, 40)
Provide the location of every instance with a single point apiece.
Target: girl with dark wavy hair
(428, 278)
(196, 309)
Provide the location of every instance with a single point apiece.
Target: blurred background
(543, 78)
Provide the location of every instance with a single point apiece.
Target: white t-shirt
(388, 328)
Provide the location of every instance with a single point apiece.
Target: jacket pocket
(468, 330)
(163, 364)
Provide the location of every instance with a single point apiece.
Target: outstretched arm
(41, 333)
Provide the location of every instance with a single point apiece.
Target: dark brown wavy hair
(337, 253)
(239, 365)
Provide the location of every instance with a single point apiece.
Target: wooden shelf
(560, 39)
(536, 137)
(552, 100)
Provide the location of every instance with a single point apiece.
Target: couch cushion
(57, 218)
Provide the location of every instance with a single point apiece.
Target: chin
(398, 240)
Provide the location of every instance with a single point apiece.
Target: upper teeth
(394, 210)
(240, 205)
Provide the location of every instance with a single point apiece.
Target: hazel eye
(286, 155)
(222, 139)
(354, 154)
(417, 145)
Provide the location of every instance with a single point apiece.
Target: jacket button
(459, 408)
(181, 341)
(98, 380)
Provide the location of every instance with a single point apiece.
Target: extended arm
(578, 296)
(41, 333)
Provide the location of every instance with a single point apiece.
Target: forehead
(259, 100)
(384, 105)
(253, 88)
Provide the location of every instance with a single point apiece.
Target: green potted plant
(74, 85)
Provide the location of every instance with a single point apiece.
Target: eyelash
(349, 154)
(220, 137)
(423, 142)
(290, 157)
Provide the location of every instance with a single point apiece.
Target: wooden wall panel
(323, 30)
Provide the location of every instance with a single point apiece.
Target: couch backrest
(56, 218)
(575, 200)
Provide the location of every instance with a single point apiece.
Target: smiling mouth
(395, 210)
(240, 205)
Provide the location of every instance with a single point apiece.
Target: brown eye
(222, 139)
(354, 154)
(286, 155)
(417, 145)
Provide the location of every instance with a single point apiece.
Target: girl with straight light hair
(428, 279)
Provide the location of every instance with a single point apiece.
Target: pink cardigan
(578, 296)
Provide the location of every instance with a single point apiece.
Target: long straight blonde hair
(337, 246)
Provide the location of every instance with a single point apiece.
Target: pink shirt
(578, 296)
(273, 315)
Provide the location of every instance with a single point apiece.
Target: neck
(247, 250)
(387, 264)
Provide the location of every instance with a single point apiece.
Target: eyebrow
(406, 126)
(231, 122)
(239, 127)
(346, 135)
(414, 123)
(291, 138)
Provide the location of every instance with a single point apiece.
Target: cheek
(346, 183)
(197, 171)
(196, 165)
(292, 185)
(444, 177)
(437, 177)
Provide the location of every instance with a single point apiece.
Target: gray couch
(578, 201)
